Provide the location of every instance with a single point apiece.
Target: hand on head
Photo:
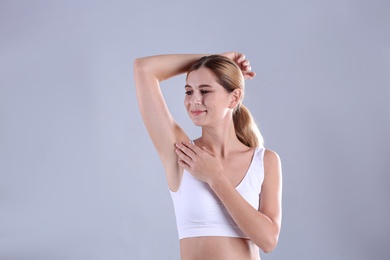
(242, 62)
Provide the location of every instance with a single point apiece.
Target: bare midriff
(218, 248)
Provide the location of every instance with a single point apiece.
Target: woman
(226, 188)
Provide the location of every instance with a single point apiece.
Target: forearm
(162, 67)
(257, 226)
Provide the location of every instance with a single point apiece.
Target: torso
(218, 248)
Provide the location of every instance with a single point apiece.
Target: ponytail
(246, 129)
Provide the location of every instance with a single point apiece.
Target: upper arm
(162, 128)
(271, 190)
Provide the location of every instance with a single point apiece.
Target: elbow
(269, 244)
(139, 64)
(143, 67)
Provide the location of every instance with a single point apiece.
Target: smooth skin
(217, 158)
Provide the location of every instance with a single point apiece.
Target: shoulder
(272, 162)
(271, 156)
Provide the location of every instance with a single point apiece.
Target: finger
(246, 68)
(192, 147)
(186, 149)
(183, 159)
(184, 165)
(182, 155)
(245, 63)
(249, 75)
(241, 57)
(179, 150)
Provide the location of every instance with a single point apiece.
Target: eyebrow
(200, 86)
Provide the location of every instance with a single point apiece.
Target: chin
(198, 122)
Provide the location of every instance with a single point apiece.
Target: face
(206, 101)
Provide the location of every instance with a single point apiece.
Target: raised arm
(163, 130)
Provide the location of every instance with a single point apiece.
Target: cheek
(186, 101)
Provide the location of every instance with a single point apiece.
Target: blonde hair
(230, 77)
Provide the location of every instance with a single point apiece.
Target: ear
(235, 98)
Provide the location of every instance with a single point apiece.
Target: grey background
(79, 177)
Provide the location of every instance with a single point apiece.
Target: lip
(197, 112)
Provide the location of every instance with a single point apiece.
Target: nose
(196, 99)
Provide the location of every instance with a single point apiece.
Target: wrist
(218, 181)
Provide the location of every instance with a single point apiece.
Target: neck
(220, 140)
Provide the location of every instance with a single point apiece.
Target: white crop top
(198, 210)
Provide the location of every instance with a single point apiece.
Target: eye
(204, 91)
(189, 92)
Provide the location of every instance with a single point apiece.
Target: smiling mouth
(197, 112)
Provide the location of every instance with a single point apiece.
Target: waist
(210, 230)
(215, 248)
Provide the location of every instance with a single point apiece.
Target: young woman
(225, 186)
